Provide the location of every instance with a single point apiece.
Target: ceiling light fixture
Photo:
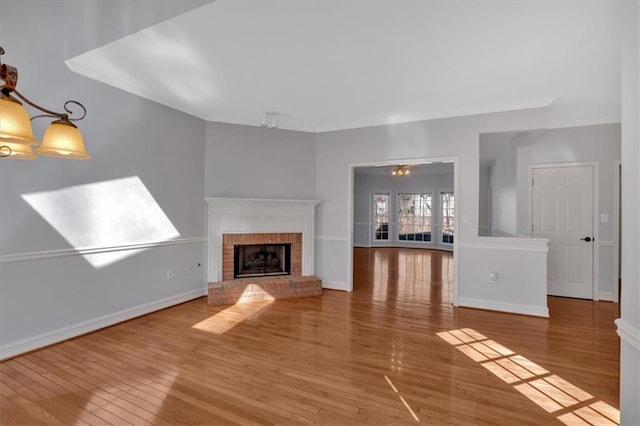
(62, 138)
(400, 171)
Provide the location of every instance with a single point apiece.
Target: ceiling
(331, 65)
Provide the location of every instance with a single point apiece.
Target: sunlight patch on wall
(570, 404)
(108, 216)
(228, 318)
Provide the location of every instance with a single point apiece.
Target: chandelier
(62, 138)
(400, 171)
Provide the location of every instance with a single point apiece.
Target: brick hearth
(245, 290)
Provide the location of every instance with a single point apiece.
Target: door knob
(587, 239)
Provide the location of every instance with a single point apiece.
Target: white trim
(507, 243)
(513, 308)
(361, 245)
(606, 296)
(59, 335)
(331, 238)
(628, 333)
(617, 168)
(49, 254)
(332, 285)
(406, 161)
(595, 271)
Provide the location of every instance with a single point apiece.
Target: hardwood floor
(392, 352)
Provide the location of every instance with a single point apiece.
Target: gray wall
(255, 162)
(47, 290)
(364, 185)
(503, 182)
(484, 222)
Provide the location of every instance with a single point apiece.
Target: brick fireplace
(230, 241)
(235, 221)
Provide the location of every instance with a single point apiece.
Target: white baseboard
(55, 336)
(628, 333)
(606, 296)
(334, 285)
(537, 311)
(362, 245)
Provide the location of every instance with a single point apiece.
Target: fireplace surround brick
(245, 290)
(229, 240)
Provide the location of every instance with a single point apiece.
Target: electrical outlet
(332, 262)
(170, 274)
(493, 277)
(190, 271)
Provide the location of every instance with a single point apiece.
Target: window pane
(447, 203)
(381, 219)
(414, 217)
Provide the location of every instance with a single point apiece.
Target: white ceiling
(330, 65)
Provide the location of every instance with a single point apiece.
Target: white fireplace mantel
(256, 215)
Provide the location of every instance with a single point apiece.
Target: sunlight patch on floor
(570, 404)
(404, 401)
(228, 318)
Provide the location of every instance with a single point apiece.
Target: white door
(562, 211)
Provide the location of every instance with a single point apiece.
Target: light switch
(604, 217)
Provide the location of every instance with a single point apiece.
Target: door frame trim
(595, 253)
(617, 182)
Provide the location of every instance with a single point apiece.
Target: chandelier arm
(50, 113)
(5, 151)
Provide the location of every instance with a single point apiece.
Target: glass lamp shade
(16, 151)
(62, 139)
(15, 125)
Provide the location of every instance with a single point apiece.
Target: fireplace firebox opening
(258, 260)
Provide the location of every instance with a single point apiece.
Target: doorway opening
(432, 205)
